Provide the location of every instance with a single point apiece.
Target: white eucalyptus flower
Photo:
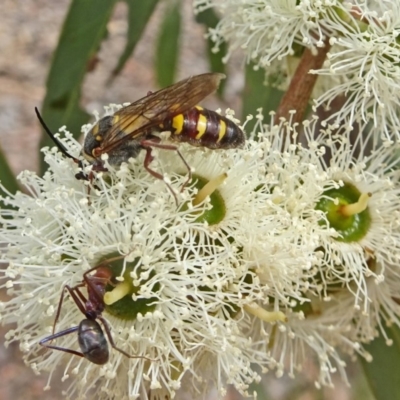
(364, 58)
(248, 269)
(343, 201)
(327, 175)
(360, 77)
(181, 280)
(269, 29)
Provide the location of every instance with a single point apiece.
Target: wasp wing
(139, 117)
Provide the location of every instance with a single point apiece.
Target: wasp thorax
(101, 139)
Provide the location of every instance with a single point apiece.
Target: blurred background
(29, 33)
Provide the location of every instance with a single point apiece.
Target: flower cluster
(361, 71)
(272, 249)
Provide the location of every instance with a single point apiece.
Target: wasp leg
(153, 142)
(147, 160)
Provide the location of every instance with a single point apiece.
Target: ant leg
(109, 260)
(58, 309)
(103, 263)
(113, 345)
(60, 302)
(152, 142)
(78, 297)
(44, 341)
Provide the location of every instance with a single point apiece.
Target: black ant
(91, 338)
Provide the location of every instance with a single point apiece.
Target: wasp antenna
(54, 139)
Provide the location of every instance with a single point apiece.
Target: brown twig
(298, 94)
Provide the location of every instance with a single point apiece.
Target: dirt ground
(29, 32)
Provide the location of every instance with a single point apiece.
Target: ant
(91, 338)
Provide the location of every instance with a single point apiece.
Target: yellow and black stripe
(201, 127)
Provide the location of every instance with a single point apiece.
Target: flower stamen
(209, 188)
(121, 290)
(261, 313)
(356, 208)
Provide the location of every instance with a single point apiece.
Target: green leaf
(139, 12)
(7, 178)
(258, 94)
(383, 373)
(84, 29)
(260, 390)
(168, 46)
(210, 19)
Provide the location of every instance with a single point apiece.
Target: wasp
(132, 128)
(91, 338)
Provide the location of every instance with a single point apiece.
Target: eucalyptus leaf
(259, 390)
(84, 28)
(167, 51)
(139, 13)
(257, 93)
(383, 373)
(210, 19)
(7, 178)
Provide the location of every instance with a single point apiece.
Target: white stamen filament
(267, 316)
